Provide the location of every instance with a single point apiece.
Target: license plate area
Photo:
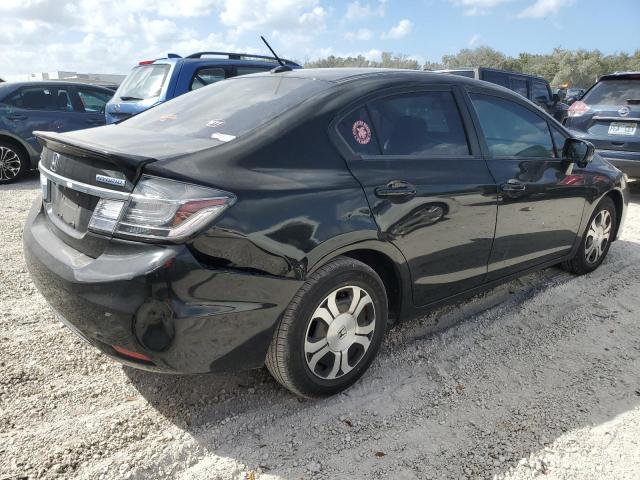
(71, 207)
(622, 128)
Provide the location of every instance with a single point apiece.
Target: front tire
(13, 163)
(331, 331)
(596, 240)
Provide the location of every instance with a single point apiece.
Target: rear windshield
(614, 92)
(144, 82)
(229, 108)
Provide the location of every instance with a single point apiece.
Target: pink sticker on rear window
(361, 132)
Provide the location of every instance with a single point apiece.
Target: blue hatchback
(156, 81)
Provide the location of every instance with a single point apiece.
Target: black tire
(13, 162)
(287, 359)
(585, 260)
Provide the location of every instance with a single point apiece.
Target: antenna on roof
(283, 67)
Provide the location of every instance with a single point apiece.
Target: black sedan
(287, 218)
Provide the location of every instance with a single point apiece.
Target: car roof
(498, 70)
(35, 83)
(620, 75)
(344, 75)
(218, 58)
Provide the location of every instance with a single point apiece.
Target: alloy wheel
(598, 236)
(9, 164)
(339, 332)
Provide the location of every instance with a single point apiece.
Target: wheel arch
(618, 201)
(15, 141)
(387, 261)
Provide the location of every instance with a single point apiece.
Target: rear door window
(495, 77)
(144, 82)
(519, 85)
(540, 92)
(614, 92)
(512, 130)
(206, 76)
(422, 123)
(357, 130)
(48, 98)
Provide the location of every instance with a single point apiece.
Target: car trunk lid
(612, 127)
(77, 171)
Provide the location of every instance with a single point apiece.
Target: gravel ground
(540, 379)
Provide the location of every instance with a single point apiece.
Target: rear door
(431, 193)
(541, 95)
(541, 199)
(40, 107)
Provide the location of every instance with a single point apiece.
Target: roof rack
(240, 56)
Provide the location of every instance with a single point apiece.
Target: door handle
(95, 122)
(16, 117)
(396, 189)
(513, 186)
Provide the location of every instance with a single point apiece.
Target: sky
(110, 36)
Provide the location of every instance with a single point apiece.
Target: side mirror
(578, 151)
(555, 98)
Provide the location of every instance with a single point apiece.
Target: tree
(580, 68)
(387, 60)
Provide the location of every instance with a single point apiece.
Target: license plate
(622, 128)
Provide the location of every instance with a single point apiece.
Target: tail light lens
(577, 109)
(160, 209)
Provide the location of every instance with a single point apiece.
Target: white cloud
(360, 34)
(478, 7)
(401, 30)
(544, 8)
(359, 11)
(269, 15)
(110, 36)
(475, 40)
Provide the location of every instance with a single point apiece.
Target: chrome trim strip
(617, 119)
(82, 187)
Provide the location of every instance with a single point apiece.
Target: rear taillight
(577, 109)
(160, 209)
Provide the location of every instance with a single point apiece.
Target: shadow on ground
(220, 411)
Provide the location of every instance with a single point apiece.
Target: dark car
(44, 106)
(608, 116)
(155, 81)
(287, 218)
(536, 89)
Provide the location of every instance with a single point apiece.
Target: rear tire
(331, 331)
(13, 162)
(596, 239)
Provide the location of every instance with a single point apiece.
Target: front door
(540, 201)
(90, 107)
(429, 189)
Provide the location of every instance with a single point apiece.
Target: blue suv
(155, 81)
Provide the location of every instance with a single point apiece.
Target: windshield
(614, 92)
(144, 82)
(229, 108)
